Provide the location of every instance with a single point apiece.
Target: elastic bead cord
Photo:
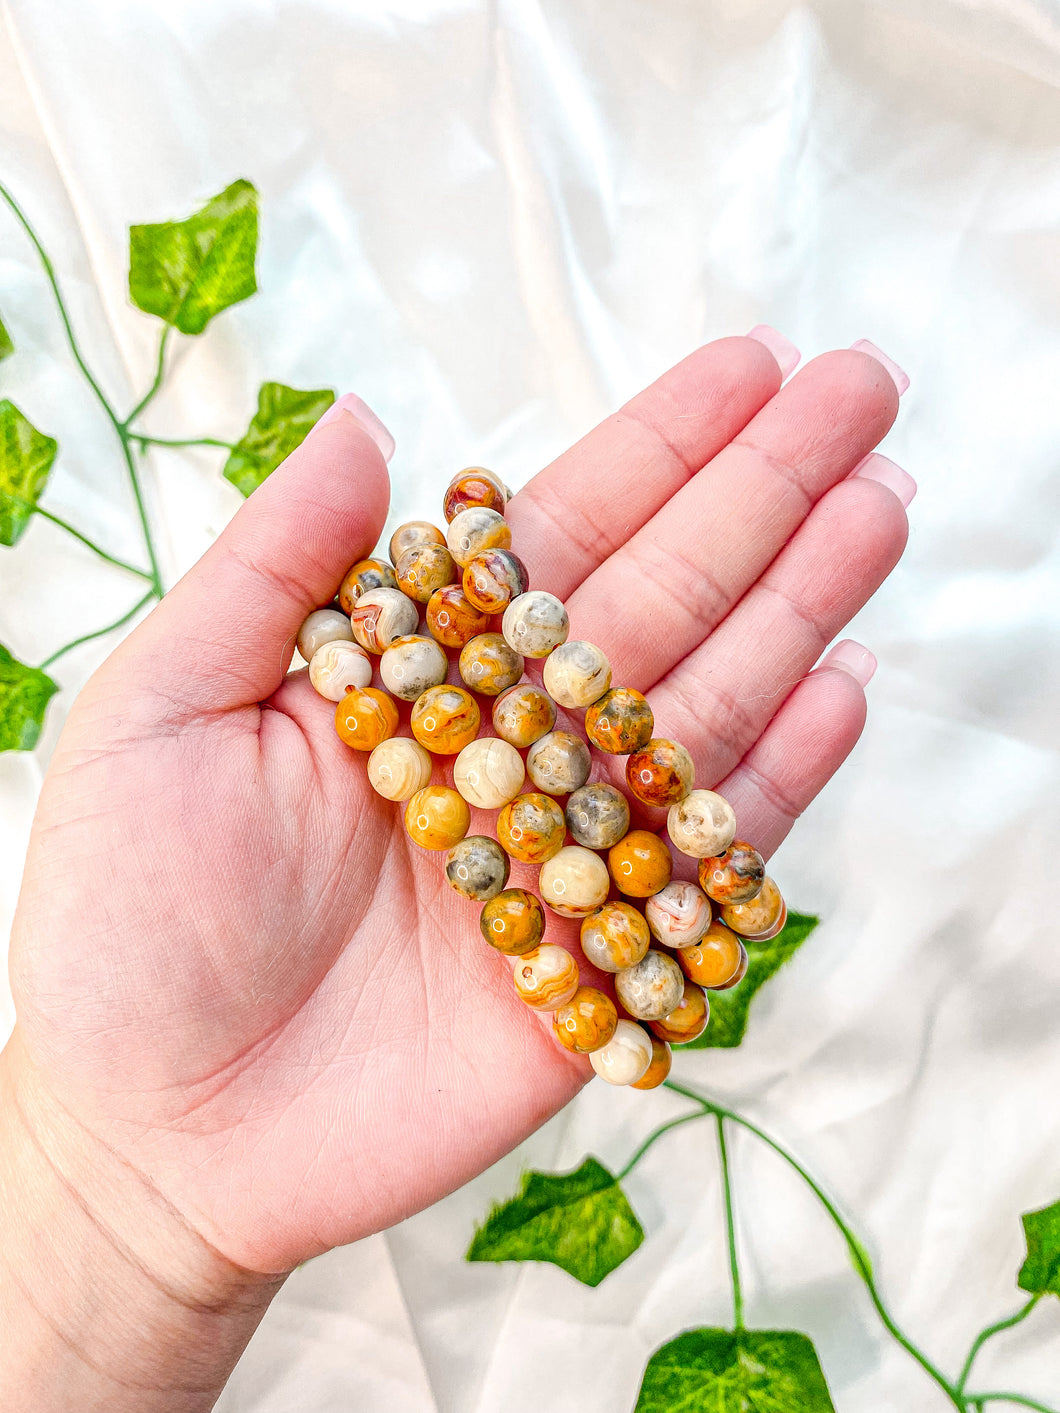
(667, 942)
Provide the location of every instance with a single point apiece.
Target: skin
(242, 995)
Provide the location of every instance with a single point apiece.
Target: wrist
(108, 1296)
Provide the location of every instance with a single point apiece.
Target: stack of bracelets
(464, 578)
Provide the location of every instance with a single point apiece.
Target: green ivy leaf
(580, 1221)
(728, 1009)
(7, 348)
(188, 271)
(281, 423)
(1040, 1273)
(749, 1371)
(26, 457)
(24, 694)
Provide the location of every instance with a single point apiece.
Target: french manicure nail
(782, 349)
(854, 658)
(875, 467)
(361, 412)
(901, 378)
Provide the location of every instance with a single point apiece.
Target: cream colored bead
(535, 623)
(574, 882)
(702, 824)
(338, 666)
(324, 625)
(626, 1056)
(410, 665)
(652, 988)
(679, 914)
(489, 773)
(546, 978)
(476, 529)
(577, 674)
(380, 616)
(397, 768)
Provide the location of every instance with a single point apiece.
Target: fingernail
(851, 657)
(901, 378)
(361, 412)
(875, 467)
(782, 349)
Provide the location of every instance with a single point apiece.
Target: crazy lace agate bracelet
(666, 941)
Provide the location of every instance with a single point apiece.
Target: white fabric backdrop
(494, 221)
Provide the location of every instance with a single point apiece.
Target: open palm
(232, 967)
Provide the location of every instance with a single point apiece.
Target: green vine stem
(991, 1330)
(653, 1137)
(120, 428)
(96, 549)
(99, 632)
(160, 371)
(146, 441)
(979, 1399)
(730, 1226)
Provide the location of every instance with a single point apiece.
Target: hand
(231, 968)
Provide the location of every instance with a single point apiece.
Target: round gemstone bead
(558, 763)
(452, 618)
(338, 666)
(626, 1056)
(532, 828)
(736, 876)
(324, 625)
(474, 530)
(366, 575)
(474, 487)
(678, 914)
(493, 578)
(364, 717)
(713, 960)
(659, 1069)
(586, 1022)
(381, 615)
(488, 665)
(398, 767)
(424, 569)
(535, 623)
(437, 817)
(513, 922)
(761, 918)
(620, 722)
(615, 937)
(661, 773)
(576, 673)
(597, 815)
(410, 665)
(488, 773)
(738, 975)
(651, 988)
(445, 719)
(477, 867)
(702, 824)
(546, 978)
(574, 882)
(412, 533)
(523, 714)
(688, 1019)
(640, 864)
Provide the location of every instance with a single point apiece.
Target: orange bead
(423, 570)
(366, 574)
(620, 722)
(659, 1067)
(688, 1020)
(586, 1022)
(738, 975)
(660, 774)
(714, 961)
(445, 719)
(470, 488)
(437, 817)
(364, 717)
(640, 864)
(761, 918)
(513, 922)
(531, 828)
(736, 876)
(452, 618)
(615, 937)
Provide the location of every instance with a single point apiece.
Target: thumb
(223, 637)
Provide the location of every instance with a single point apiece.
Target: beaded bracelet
(462, 580)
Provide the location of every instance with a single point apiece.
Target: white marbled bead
(701, 825)
(489, 773)
(397, 768)
(577, 673)
(535, 623)
(652, 988)
(412, 664)
(380, 616)
(324, 625)
(476, 529)
(338, 666)
(626, 1056)
(679, 914)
